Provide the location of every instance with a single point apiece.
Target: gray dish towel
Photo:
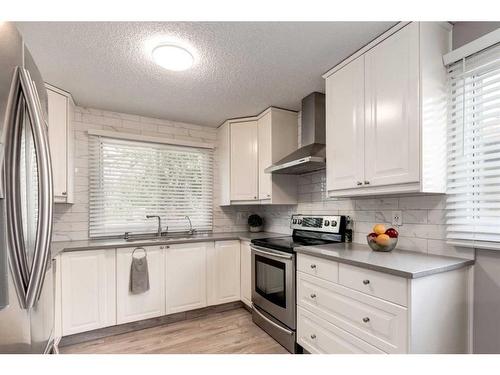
(139, 274)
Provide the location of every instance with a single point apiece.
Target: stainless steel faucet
(191, 230)
(159, 222)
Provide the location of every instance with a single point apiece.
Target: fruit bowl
(381, 239)
(389, 245)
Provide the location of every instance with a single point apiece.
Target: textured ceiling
(241, 67)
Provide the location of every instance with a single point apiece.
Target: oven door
(273, 283)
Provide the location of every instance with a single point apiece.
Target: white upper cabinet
(386, 115)
(345, 117)
(392, 134)
(186, 277)
(277, 139)
(60, 120)
(246, 147)
(244, 161)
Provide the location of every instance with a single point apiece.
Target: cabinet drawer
(320, 267)
(380, 323)
(389, 287)
(320, 337)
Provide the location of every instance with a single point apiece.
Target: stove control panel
(319, 223)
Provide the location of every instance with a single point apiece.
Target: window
(473, 200)
(130, 179)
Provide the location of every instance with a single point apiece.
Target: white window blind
(473, 184)
(129, 180)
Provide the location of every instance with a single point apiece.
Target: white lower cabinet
(185, 276)
(317, 336)
(367, 311)
(246, 273)
(223, 266)
(92, 287)
(131, 307)
(87, 290)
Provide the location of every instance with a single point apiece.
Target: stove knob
(334, 223)
(295, 221)
(326, 223)
(299, 221)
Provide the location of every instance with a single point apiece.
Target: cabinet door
(345, 127)
(185, 277)
(246, 273)
(392, 131)
(131, 307)
(224, 272)
(244, 161)
(265, 157)
(58, 117)
(87, 290)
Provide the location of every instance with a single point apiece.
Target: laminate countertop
(408, 264)
(82, 245)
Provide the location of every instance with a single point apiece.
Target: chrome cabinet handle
(366, 320)
(313, 266)
(359, 183)
(366, 282)
(64, 193)
(313, 295)
(367, 182)
(313, 336)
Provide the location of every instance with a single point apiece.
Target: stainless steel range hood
(312, 155)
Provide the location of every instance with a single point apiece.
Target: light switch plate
(397, 218)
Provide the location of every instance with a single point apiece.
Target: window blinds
(129, 180)
(473, 183)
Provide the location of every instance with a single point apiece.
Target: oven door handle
(261, 250)
(287, 331)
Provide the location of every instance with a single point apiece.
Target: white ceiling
(241, 69)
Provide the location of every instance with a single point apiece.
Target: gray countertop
(407, 264)
(58, 247)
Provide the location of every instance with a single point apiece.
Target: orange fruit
(379, 228)
(383, 239)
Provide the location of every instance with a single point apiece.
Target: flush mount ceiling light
(173, 57)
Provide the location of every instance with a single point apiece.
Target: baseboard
(148, 323)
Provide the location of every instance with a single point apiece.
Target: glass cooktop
(288, 243)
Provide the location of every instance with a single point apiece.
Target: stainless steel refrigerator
(26, 279)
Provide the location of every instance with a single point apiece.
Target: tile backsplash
(423, 226)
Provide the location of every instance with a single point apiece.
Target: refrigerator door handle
(17, 256)
(41, 255)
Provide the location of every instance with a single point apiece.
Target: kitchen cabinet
(277, 136)
(345, 126)
(246, 273)
(131, 307)
(223, 266)
(244, 161)
(366, 311)
(87, 282)
(386, 115)
(245, 148)
(185, 276)
(61, 138)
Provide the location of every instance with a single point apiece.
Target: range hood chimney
(312, 155)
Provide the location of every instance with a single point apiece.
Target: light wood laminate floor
(228, 332)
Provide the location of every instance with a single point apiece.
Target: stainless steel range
(273, 273)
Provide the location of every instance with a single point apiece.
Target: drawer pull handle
(366, 282)
(366, 320)
(313, 295)
(313, 266)
(313, 336)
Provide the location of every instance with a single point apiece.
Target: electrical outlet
(397, 218)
